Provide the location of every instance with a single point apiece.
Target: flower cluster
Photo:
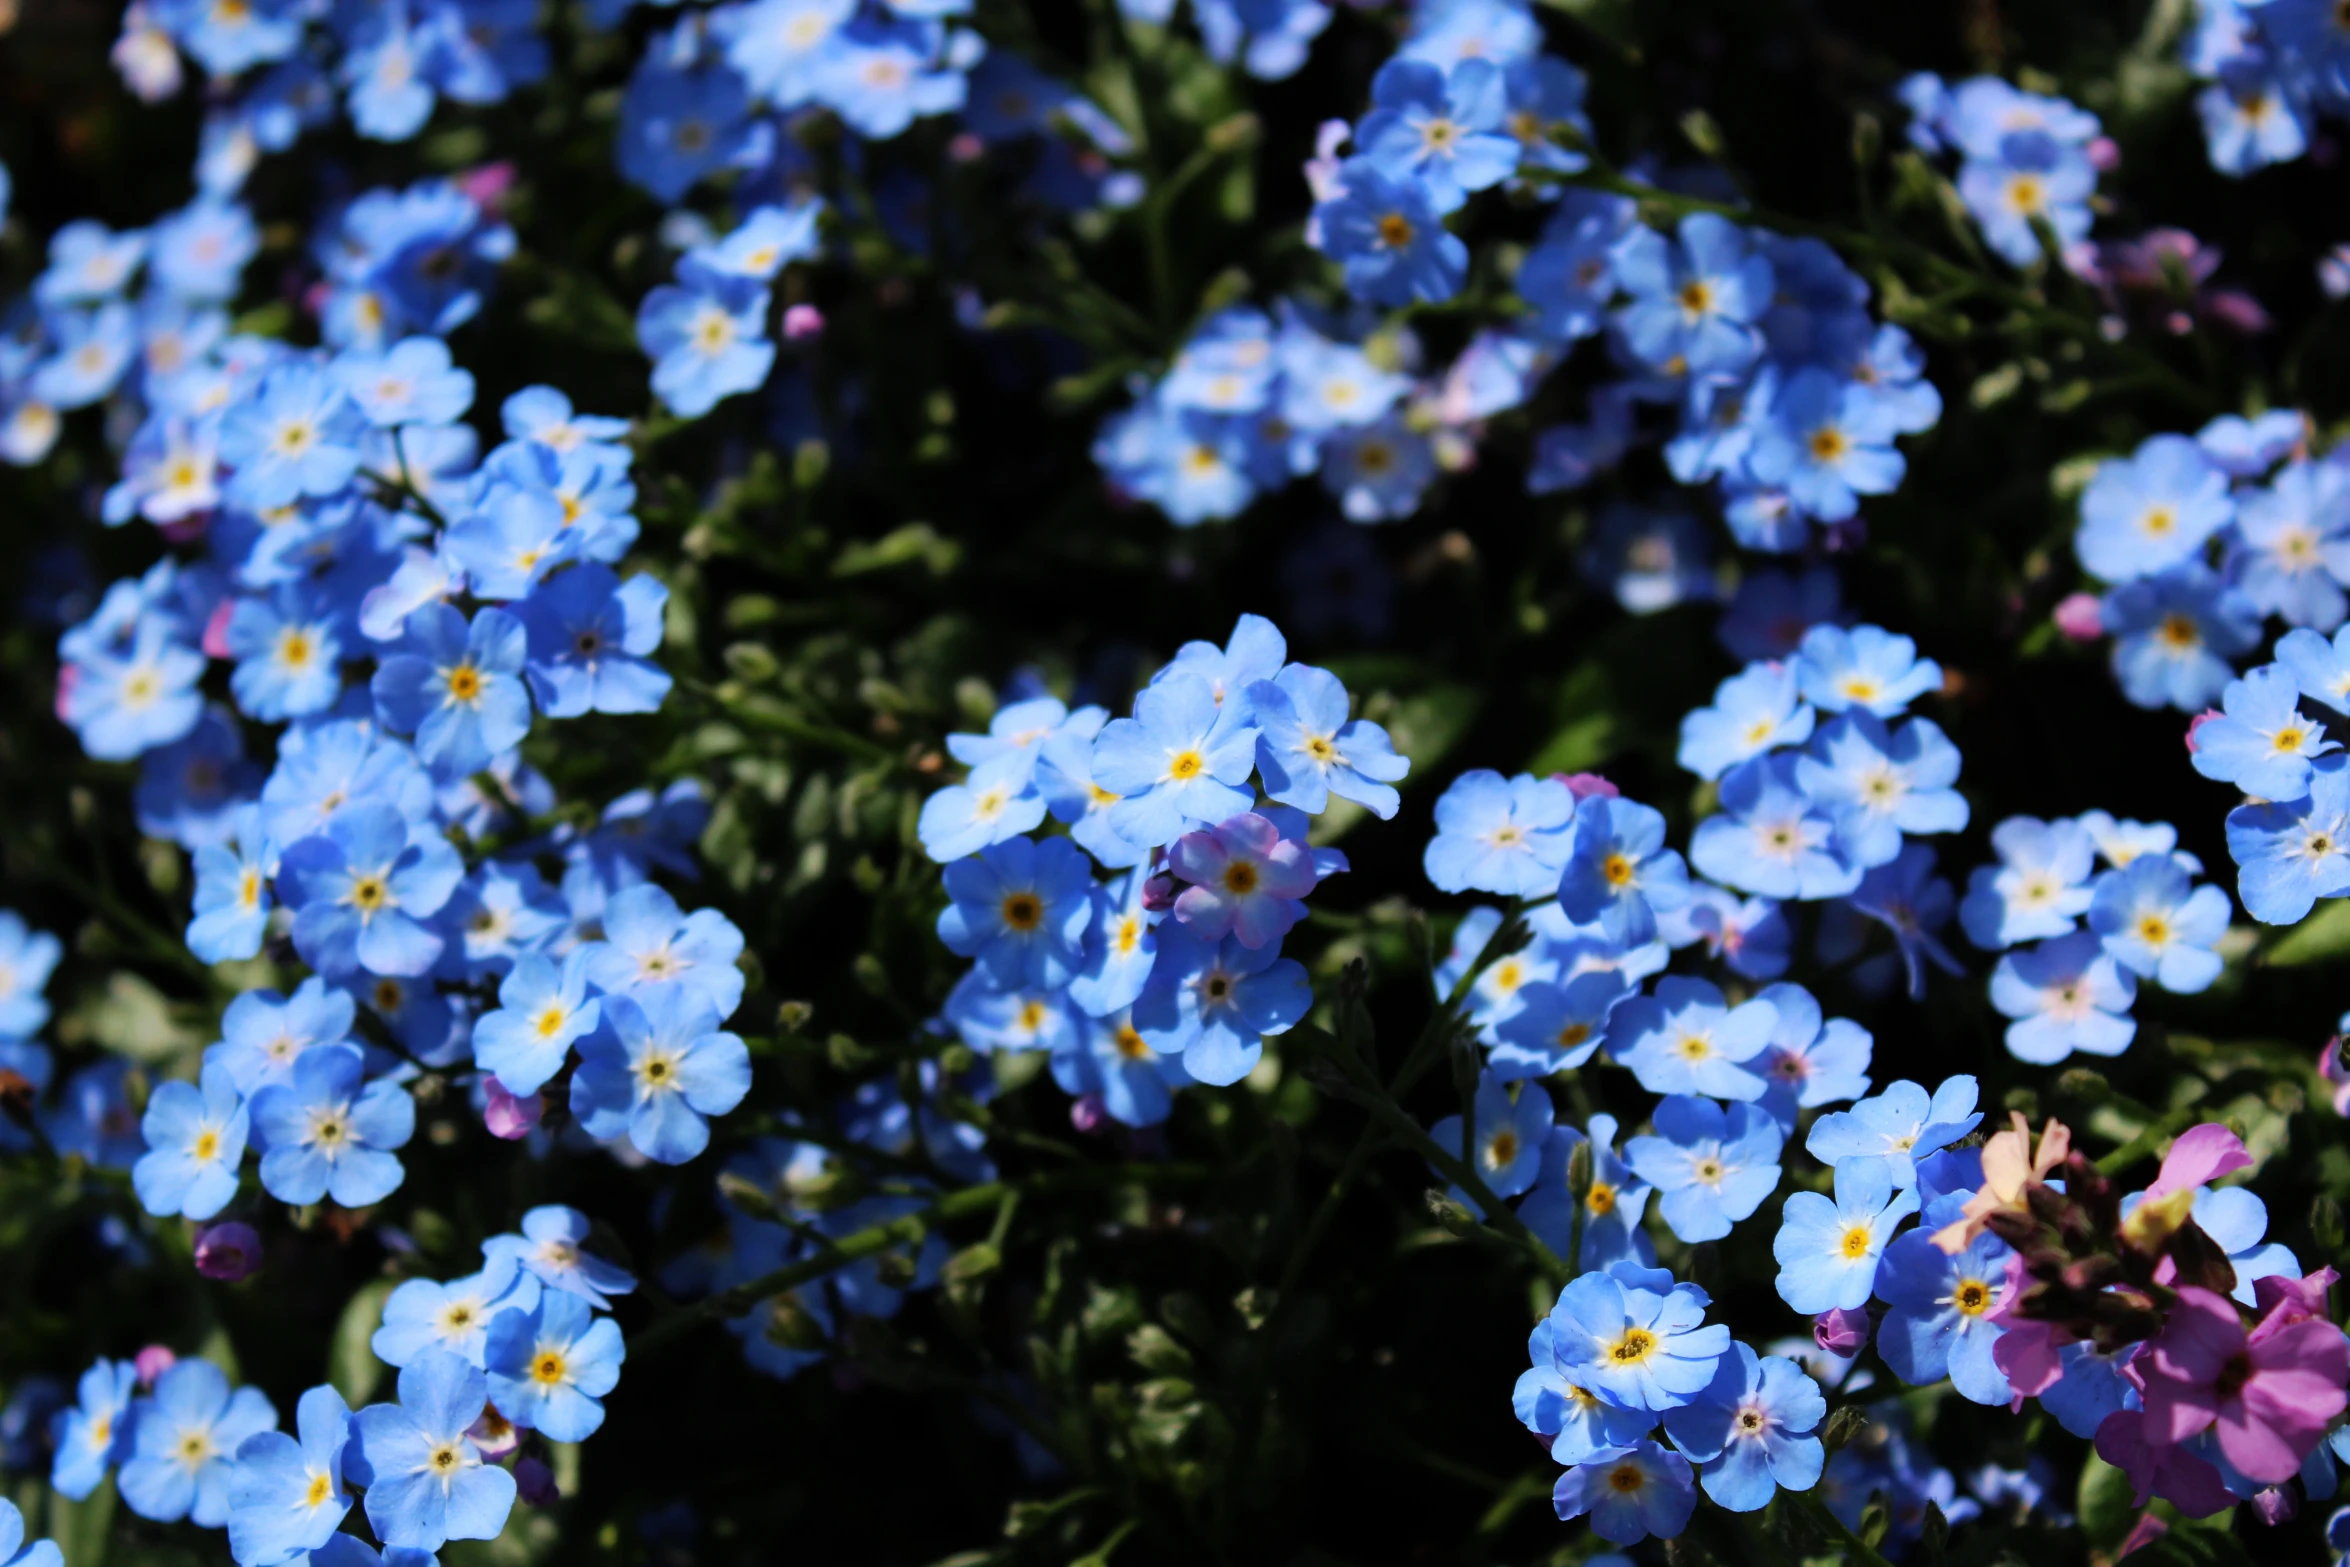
(2028, 162)
(485, 1361)
(2095, 932)
(2273, 69)
(1172, 971)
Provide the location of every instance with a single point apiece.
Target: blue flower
(1021, 730)
(2145, 514)
(1867, 668)
(1828, 441)
(329, 1136)
(1636, 1338)
(184, 1442)
(1506, 1151)
(1809, 1063)
(412, 382)
(1771, 837)
(2157, 924)
(1879, 784)
(1545, 98)
(1937, 1326)
(286, 1496)
(1389, 237)
(542, 1011)
(511, 541)
(680, 122)
(263, 1033)
(2174, 635)
(1611, 1208)
(362, 890)
(228, 40)
(1686, 1040)
(2319, 667)
(132, 699)
(1711, 1165)
(591, 640)
(1442, 131)
(1377, 471)
(1694, 302)
(421, 1315)
(880, 76)
(552, 1248)
(14, 1552)
(426, 1482)
(27, 957)
(1555, 1026)
(996, 804)
(655, 1070)
(1021, 908)
(1213, 1003)
(1828, 1251)
(707, 340)
(297, 436)
(2066, 995)
(1896, 1127)
(1751, 1430)
(195, 1141)
(1754, 711)
(549, 1365)
(1182, 761)
(1568, 278)
(1308, 749)
(1509, 836)
(778, 45)
(1109, 1061)
(2295, 852)
(1573, 1422)
(2291, 557)
(2039, 888)
(95, 1433)
(1121, 946)
(2005, 200)
(1620, 875)
(288, 653)
(2263, 745)
(460, 690)
(1629, 1492)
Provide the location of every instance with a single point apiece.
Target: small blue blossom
(2157, 924)
(1897, 1127)
(1711, 1165)
(2174, 635)
(1828, 1250)
(1442, 131)
(1636, 1338)
(1506, 1149)
(2066, 995)
(1509, 836)
(1694, 299)
(286, 1496)
(548, 1366)
(1751, 1430)
(1685, 1039)
(1937, 1326)
(184, 1443)
(195, 1141)
(330, 1136)
(2263, 744)
(426, 1482)
(1389, 237)
(1868, 668)
(1629, 1493)
(2038, 889)
(1213, 1003)
(1620, 875)
(542, 1011)
(656, 1070)
(1021, 908)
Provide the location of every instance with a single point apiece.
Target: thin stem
(907, 1230)
(2148, 1140)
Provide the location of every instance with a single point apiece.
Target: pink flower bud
(1841, 1332)
(967, 148)
(2208, 715)
(535, 1482)
(2080, 617)
(1588, 786)
(508, 1116)
(801, 322)
(152, 1362)
(1087, 1113)
(487, 185)
(216, 629)
(68, 677)
(2274, 1506)
(2104, 155)
(493, 1434)
(1158, 893)
(228, 1252)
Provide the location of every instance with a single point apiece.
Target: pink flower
(2080, 617)
(152, 1362)
(1588, 786)
(2161, 1468)
(2027, 1352)
(2330, 1066)
(2209, 715)
(510, 1116)
(801, 322)
(2283, 1301)
(2269, 1399)
(2201, 1155)
(1246, 880)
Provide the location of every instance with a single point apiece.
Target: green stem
(908, 1230)
(2148, 1140)
(1857, 1550)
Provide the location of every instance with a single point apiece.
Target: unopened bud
(534, 1482)
(229, 1252)
(1840, 1332)
(511, 1116)
(152, 1362)
(1843, 1427)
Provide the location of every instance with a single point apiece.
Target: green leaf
(81, 1528)
(351, 1363)
(2324, 935)
(2105, 1502)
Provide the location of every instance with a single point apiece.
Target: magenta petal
(2258, 1450)
(2026, 1355)
(2201, 1154)
(1250, 833)
(1198, 856)
(1206, 911)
